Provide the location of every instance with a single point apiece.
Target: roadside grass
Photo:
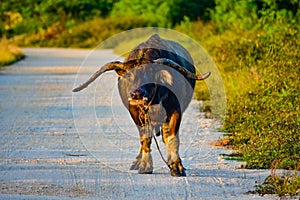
(261, 76)
(263, 111)
(9, 53)
(285, 183)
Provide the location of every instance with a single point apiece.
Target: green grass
(284, 185)
(9, 53)
(263, 110)
(261, 75)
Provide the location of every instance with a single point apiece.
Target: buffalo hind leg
(174, 160)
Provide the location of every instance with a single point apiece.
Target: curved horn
(174, 65)
(118, 66)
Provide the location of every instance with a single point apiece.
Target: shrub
(84, 35)
(9, 53)
(263, 110)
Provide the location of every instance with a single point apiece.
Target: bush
(283, 183)
(9, 53)
(84, 35)
(263, 109)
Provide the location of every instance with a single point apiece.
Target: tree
(38, 14)
(164, 13)
(155, 11)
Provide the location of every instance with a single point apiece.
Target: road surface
(58, 146)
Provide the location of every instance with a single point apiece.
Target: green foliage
(37, 14)
(264, 118)
(241, 14)
(156, 11)
(191, 9)
(287, 184)
(91, 33)
(259, 14)
(40, 15)
(163, 13)
(85, 35)
(260, 69)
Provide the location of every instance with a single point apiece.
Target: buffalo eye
(128, 76)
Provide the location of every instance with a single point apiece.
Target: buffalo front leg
(143, 161)
(135, 164)
(171, 139)
(146, 164)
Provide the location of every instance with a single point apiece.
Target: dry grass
(9, 53)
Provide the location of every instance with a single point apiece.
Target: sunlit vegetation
(9, 53)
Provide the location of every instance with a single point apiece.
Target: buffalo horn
(118, 66)
(174, 65)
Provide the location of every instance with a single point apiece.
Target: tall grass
(261, 75)
(263, 114)
(9, 53)
(84, 35)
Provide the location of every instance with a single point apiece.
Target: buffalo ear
(120, 72)
(164, 77)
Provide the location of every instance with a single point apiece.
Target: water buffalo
(156, 83)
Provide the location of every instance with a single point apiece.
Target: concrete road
(58, 146)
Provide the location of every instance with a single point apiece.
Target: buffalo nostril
(137, 93)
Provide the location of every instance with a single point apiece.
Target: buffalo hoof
(177, 173)
(146, 164)
(145, 171)
(145, 168)
(135, 165)
(177, 169)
